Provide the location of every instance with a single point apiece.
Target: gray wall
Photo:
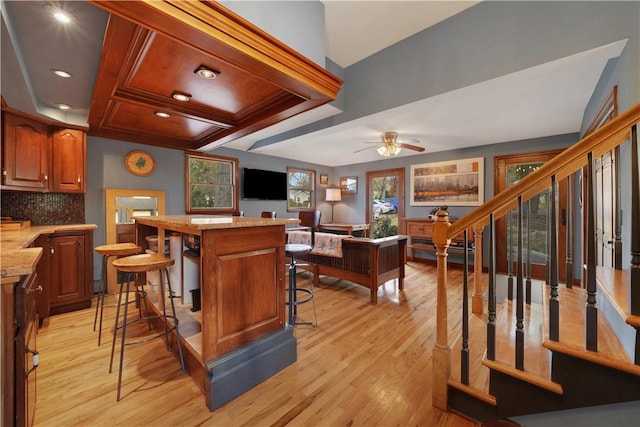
(106, 169)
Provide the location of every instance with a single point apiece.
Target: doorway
(509, 170)
(121, 208)
(385, 201)
(607, 223)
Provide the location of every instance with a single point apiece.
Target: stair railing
(571, 160)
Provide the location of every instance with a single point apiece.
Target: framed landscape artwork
(452, 183)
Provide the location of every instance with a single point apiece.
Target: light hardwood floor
(362, 366)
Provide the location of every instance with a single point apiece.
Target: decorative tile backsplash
(43, 208)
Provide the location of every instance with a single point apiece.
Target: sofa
(366, 262)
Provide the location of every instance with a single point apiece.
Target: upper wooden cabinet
(69, 161)
(25, 153)
(40, 157)
(153, 49)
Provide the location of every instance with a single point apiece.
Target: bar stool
(292, 250)
(143, 263)
(108, 251)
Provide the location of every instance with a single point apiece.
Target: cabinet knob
(79, 180)
(45, 177)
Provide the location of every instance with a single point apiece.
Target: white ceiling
(549, 99)
(545, 100)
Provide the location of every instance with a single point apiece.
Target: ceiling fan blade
(409, 140)
(411, 147)
(362, 149)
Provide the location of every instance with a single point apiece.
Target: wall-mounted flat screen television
(264, 185)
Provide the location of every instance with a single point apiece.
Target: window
(212, 184)
(300, 189)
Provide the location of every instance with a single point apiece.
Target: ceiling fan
(391, 145)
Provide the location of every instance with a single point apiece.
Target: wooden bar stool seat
(144, 263)
(108, 251)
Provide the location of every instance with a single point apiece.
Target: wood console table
(419, 231)
(240, 336)
(359, 230)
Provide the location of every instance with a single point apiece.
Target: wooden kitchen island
(240, 336)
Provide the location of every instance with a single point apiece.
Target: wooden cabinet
(19, 349)
(40, 157)
(25, 154)
(69, 161)
(26, 354)
(43, 300)
(7, 346)
(70, 271)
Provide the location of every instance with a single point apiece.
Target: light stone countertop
(17, 258)
(212, 222)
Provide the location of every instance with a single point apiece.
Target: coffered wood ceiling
(152, 49)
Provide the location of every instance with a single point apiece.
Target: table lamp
(333, 195)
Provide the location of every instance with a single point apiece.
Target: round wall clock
(139, 163)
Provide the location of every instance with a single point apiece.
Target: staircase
(545, 346)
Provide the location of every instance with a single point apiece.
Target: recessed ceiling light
(206, 72)
(61, 73)
(62, 16)
(63, 106)
(162, 114)
(183, 97)
(58, 13)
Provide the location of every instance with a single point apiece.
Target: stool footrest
(299, 301)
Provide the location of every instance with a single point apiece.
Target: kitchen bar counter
(17, 258)
(242, 337)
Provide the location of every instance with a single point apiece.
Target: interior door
(509, 170)
(605, 249)
(385, 201)
(605, 192)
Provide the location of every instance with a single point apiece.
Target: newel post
(441, 350)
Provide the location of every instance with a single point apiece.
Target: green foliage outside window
(211, 184)
(383, 227)
(300, 189)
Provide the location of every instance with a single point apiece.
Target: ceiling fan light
(395, 150)
(382, 150)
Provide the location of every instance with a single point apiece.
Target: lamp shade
(333, 195)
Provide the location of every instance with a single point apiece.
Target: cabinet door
(26, 359)
(25, 157)
(8, 331)
(67, 272)
(69, 146)
(43, 301)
